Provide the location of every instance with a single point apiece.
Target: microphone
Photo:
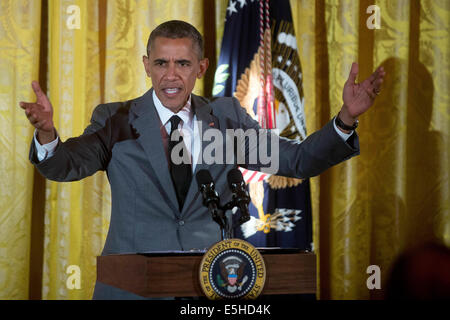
(210, 196)
(241, 197)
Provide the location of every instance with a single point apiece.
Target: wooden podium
(177, 275)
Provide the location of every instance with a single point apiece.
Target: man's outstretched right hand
(40, 115)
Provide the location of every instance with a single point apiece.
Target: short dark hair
(176, 29)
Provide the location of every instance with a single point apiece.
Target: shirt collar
(165, 114)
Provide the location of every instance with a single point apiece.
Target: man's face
(174, 66)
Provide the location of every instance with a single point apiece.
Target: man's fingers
(353, 73)
(31, 106)
(37, 89)
(372, 92)
(379, 73)
(373, 83)
(376, 84)
(36, 114)
(373, 76)
(33, 117)
(32, 111)
(40, 95)
(25, 105)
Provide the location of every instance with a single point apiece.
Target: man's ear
(204, 64)
(146, 62)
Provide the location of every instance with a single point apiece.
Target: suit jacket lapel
(147, 124)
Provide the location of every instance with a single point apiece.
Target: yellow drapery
(365, 211)
(19, 64)
(395, 194)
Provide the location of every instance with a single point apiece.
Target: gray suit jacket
(124, 139)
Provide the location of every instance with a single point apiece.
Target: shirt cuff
(343, 135)
(47, 150)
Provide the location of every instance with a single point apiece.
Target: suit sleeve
(79, 157)
(291, 158)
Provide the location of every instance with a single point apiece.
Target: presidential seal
(232, 269)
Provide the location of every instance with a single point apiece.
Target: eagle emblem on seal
(232, 274)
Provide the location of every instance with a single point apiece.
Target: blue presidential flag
(259, 65)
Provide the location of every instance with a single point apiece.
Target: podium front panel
(177, 275)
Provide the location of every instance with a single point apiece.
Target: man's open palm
(358, 97)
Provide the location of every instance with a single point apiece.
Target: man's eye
(184, 63)
(160, 63)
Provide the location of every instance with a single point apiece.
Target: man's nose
(171, 71)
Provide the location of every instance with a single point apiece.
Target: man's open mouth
(171, 91)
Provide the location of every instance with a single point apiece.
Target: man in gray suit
(131, 141)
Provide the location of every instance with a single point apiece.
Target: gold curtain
(19, 65)
(395, 194)
(365, 211)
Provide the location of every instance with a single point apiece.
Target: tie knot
(174, 122)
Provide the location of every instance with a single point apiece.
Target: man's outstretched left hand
(358, 97)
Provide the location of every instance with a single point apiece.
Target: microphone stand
(225, 225)
(221, 219)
